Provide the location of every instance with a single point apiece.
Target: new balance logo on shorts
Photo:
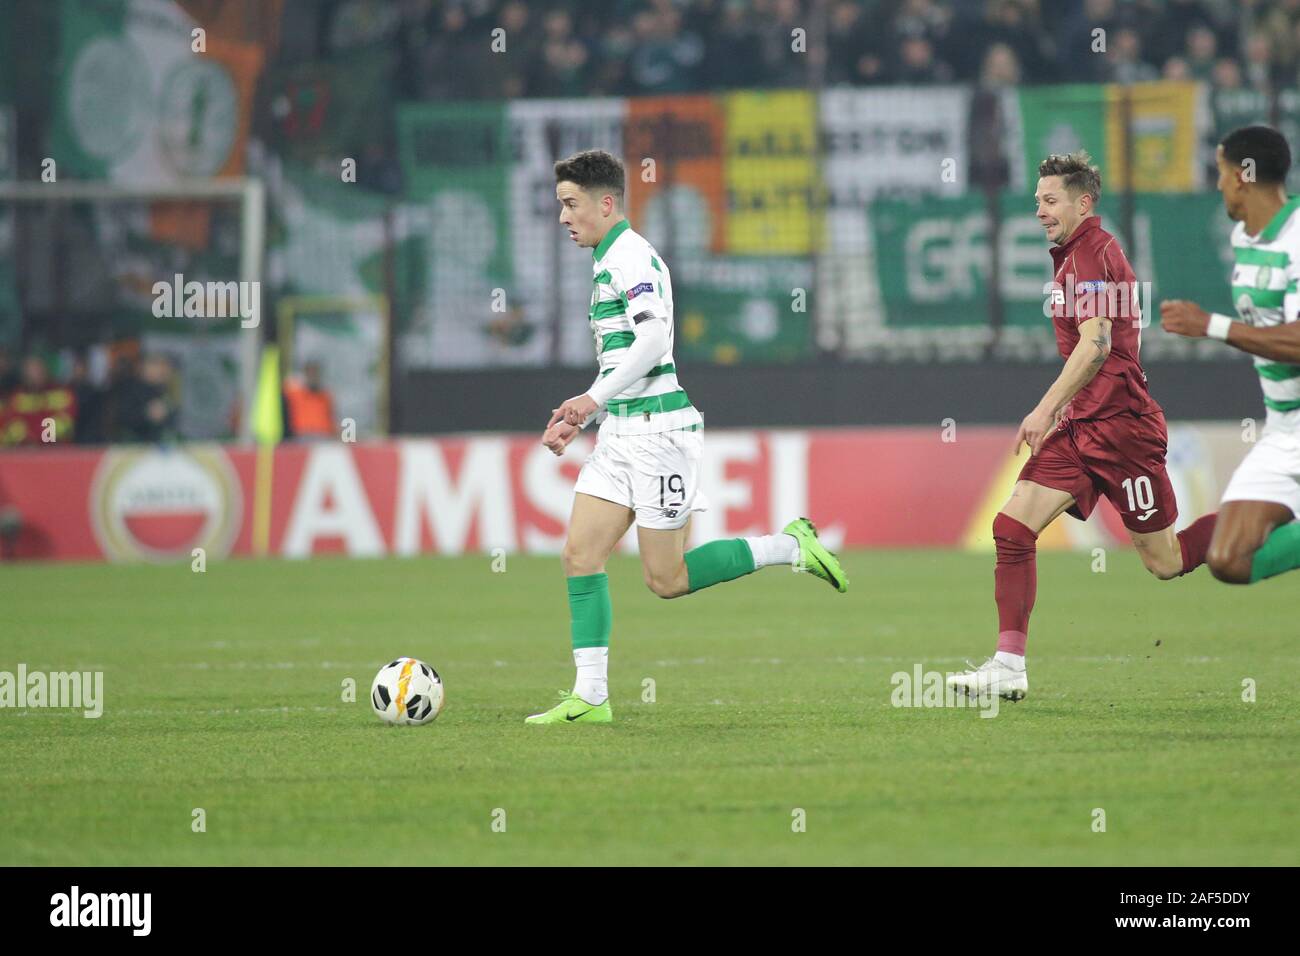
(669, 512)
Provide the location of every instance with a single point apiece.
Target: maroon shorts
(1122, 457)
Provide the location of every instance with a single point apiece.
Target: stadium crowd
(137, 402)
(630, 47)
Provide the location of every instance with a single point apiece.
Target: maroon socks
(1194, 540)
(1015, 581)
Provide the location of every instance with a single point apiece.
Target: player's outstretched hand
(557, 436)
(1184, 318)
(1034, 430)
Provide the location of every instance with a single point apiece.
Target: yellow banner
(773, 188)
(1164, 147)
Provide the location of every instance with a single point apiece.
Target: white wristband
(1218, 327)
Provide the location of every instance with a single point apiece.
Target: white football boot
(992, 677)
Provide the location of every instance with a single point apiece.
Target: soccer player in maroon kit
(1097, 430)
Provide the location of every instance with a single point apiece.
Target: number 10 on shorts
(1141, 497)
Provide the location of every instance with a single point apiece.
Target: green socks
(1281, 552)
(590, 613)
(718, 561)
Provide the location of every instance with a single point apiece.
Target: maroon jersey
(1093, 279)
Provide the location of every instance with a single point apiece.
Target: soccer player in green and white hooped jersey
(646, 464)
(1257, 536)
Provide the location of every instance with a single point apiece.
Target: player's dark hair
(1077, 173)
(1265, 146)
(593, 170)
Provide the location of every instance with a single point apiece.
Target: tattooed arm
(1080, 369)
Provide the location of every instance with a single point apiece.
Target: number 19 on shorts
(666, 485)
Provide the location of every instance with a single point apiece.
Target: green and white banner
(1161, 154)
(932, 259)
(1235, 108)
(548, 267)
(456, 163)
(484, 276)
(743, 309)
(136, 103)
(1057, 119)
(328, 237)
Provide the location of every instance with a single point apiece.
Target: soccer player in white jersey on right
(646, 463)
(1257, 535)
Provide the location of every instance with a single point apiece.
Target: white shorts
(1269, 472)
(654, 475)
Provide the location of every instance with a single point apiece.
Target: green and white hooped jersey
(630, 278)
(1264, 289)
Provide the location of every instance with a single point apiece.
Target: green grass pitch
(772, 694)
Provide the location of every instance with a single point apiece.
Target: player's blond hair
(1077, 173)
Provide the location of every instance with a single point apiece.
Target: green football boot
(813, 556)
(572, 709)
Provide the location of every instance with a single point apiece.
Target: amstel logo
(158, 504)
